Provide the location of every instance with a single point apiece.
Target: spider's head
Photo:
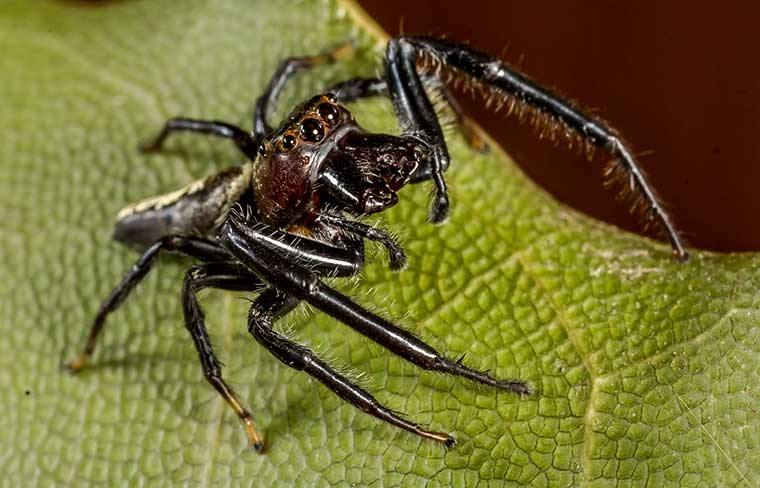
(320, 156)
(287, 165)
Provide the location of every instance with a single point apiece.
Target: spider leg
(288, 67)
(468, 126)
(272, 304)
(227, 276)
(241, 138)
(344, 259)
(286, 275)
(396, 254)
(417, 117)
(355, 88)
(192, 246)
(350, 90)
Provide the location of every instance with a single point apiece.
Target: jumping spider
(287, 216)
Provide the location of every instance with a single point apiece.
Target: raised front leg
(418, 119)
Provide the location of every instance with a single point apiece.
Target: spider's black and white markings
(287, 216)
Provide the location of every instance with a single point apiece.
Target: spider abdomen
(197, 209)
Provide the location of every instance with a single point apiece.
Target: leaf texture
(646, 370)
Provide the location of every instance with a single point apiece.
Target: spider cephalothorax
(320, 155)
(288, 215)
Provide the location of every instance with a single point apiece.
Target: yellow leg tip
(254, 438)
(77, 364)
(478, 144)
(259, 447)
(343, 51)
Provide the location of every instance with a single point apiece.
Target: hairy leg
(272, 304)
(416, 116)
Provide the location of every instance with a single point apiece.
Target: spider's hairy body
(290, 215)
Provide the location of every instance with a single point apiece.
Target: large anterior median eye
(312, 130)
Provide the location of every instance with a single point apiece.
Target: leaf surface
(646, 370)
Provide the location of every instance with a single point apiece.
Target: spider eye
(332, 97)
(289, 142)
(312, 130)
(329, 113)
(262, 149)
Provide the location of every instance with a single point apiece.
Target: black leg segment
(355, 88)
(266, 102)
(346, 259)
(351, 90)
(272, 304)
(418, 119)
(228, 277)
(192, 246)
(396, 255)
(241, 138)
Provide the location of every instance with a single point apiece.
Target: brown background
(680, 79)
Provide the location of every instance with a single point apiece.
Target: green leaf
(646, 370)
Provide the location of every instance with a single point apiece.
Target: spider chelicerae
(290, 214)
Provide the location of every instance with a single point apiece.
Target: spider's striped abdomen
(195, 210)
